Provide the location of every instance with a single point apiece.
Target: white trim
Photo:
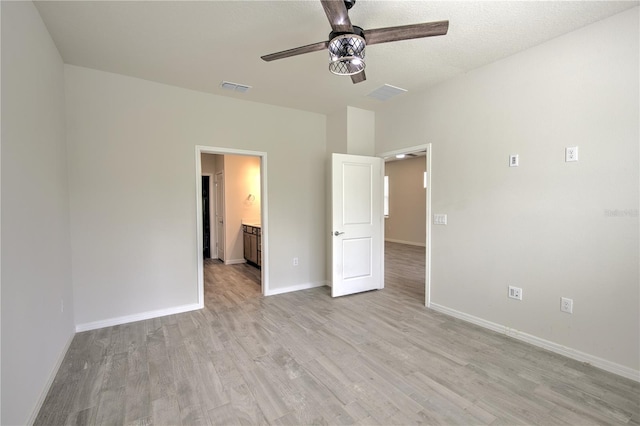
(297, 287)
(409, 243)
(604, 364)
(264, 209)
(219, 177)
(235, 261)
(427, 263)
(47, 385)
(199, 225)
(137, 317)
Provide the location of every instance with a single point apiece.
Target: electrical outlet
(571, 154)
(515, 292)
(514, 160)
(566, 305)
(295, 261)
(439, 219)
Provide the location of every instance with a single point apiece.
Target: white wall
(131, 148)
(544, 226)
(361, 129)
(337, 132)
(36, 259)
(407, 201)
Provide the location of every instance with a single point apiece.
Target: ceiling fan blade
(296, 51)
(358, 78)
(337, 15)
(406, 32)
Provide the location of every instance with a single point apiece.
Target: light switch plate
(515, 292)
(439, 219)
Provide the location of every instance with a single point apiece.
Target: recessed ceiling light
(236, 87)
(400, 156)
(386, 92)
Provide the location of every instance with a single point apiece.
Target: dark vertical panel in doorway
(206, 242)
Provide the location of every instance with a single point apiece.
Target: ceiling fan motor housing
(346, 52)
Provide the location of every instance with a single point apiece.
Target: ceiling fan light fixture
(346, 42)
(346, 54)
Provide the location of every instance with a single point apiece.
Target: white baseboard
(604, 364)
(137, 317)
(410, 243)
(298, 287)
(50, 379)
(235, 261)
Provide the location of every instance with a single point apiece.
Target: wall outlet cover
(439, 219)
(571, 154)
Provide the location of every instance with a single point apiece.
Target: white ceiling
(197, 45)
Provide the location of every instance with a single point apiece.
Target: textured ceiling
(197, 45)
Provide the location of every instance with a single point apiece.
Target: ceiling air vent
(386, 92)
(236, 87)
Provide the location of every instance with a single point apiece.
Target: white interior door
(219, 215)
(357, 224)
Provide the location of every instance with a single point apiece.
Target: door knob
(338, 233)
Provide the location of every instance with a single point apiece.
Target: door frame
(201, 149)
(427, 264)
(215, 206)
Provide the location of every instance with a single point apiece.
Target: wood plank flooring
(377, 358)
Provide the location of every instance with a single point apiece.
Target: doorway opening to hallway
(232, 200)
(407, 225)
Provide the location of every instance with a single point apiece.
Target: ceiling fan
(347, 42)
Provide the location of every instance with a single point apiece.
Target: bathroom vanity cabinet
(252, 244)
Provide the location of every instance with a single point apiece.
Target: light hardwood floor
(303, 358)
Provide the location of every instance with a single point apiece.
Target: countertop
(250, 223)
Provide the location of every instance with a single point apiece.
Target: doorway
(206, 218)
(262, 156)
(421, 151)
